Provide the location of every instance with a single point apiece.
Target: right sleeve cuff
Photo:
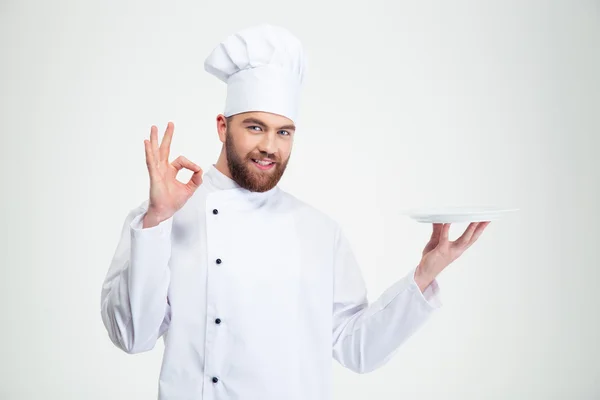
(163, 229)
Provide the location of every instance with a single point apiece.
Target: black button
(218, 261)
(215, 211)
(215, 379)
(218, 321)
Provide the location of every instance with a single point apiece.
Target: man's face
(258, 146)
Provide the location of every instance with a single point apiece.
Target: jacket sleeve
(366, 336)
(134, 304)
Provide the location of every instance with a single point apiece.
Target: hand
(167, 194)
(440, 252)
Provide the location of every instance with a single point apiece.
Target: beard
(246, 175)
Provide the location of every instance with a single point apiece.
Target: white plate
(458, 214)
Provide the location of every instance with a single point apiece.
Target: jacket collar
(218, 180)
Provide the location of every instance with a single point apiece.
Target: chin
(255, 179)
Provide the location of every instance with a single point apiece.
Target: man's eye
(254, 126)
(285, 132)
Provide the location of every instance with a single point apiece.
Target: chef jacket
(253, 295)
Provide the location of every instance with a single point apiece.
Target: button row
(218, 320)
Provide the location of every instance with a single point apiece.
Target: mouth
(262, 164)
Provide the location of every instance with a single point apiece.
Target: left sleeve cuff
(431, 295)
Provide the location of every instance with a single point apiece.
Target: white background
(407, 104)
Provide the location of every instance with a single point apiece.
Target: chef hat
(264, 67)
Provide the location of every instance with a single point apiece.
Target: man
(253, 290)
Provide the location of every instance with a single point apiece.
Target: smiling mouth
(263, 165)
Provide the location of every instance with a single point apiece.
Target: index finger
(165, 145)
(466, 236)
(150, 161)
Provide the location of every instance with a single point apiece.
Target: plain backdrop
(406, 105)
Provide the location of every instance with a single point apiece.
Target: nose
(268, 144)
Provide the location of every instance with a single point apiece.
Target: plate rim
(423, 212)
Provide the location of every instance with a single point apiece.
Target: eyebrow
(259, 122)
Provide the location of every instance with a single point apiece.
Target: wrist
(150, 220)
(422, 278)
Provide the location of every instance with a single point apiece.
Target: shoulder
(308, 214)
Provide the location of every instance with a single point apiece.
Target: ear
(222, 127)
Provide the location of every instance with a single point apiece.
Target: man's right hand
(167, 194)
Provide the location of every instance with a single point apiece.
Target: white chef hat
(264, 67)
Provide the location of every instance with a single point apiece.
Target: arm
(365, 336)
(134, 304)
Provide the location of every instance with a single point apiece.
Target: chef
(252, 290)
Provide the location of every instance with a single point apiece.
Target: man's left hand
(440, 252)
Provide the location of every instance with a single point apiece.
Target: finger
(150, 163)
(154, 142)
(182, 162)
(480, 228)
(195, 180)
(165, 145)
(437, 228)
(466, 236)
(444, 232)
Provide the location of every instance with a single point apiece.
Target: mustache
(259, 156)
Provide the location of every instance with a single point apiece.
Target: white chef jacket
(253, 294)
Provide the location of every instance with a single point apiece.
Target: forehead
(269, 119)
